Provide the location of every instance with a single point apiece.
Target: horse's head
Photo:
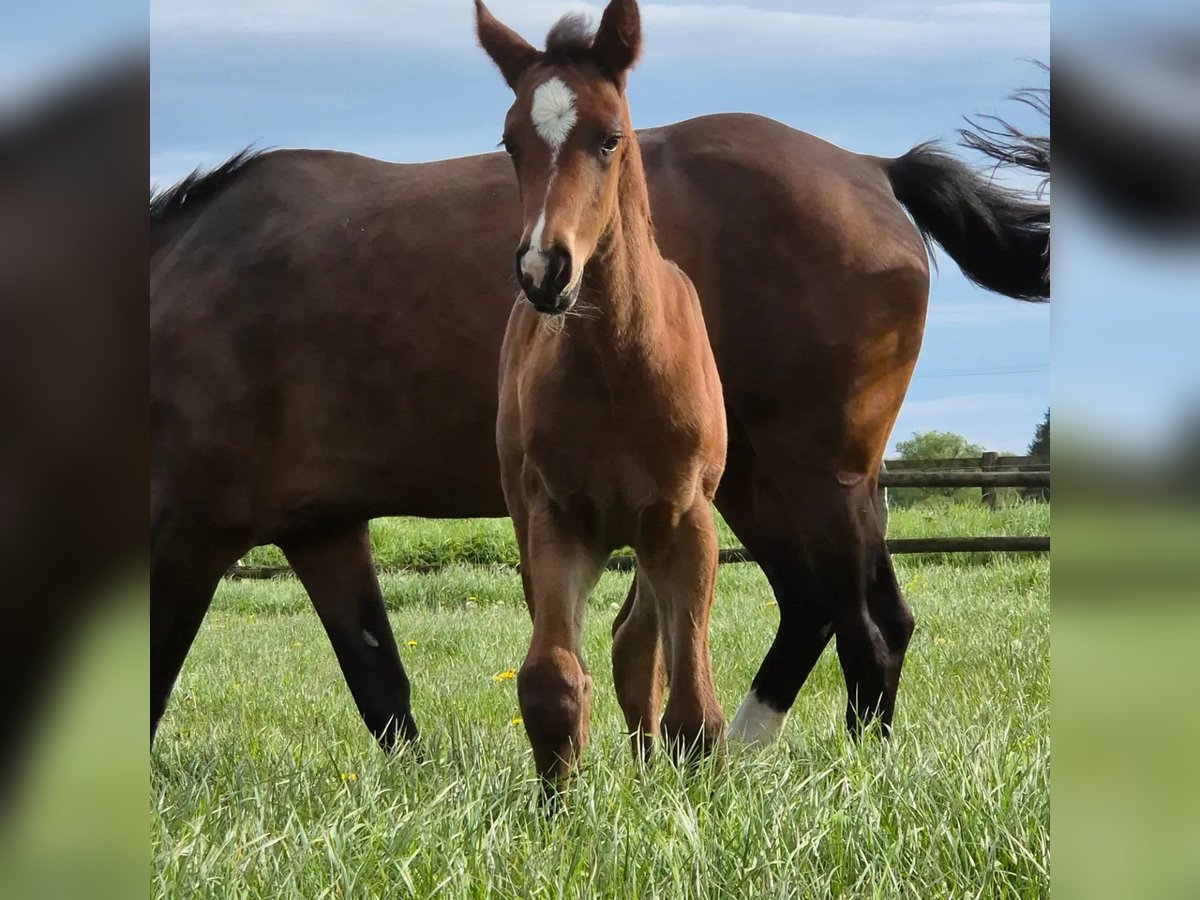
(566, 133)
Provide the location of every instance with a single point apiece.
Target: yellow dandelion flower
(516, 720)
(410, 643)
(472, 599)
(349, 776)
(506, 675)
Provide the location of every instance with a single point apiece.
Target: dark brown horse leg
(872, 644)
(338, 572)
(749, 502)
(181, 589)
(805, 628)
(821, 546)
(853, 571)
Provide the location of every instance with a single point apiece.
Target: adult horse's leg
(747, 499)
(678, 557)
(873, 640)
(182, 581)
(836, 578)
(336, 568)
(637, 658)
(821, 546)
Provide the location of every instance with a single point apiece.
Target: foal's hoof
(688, 741)
(642, 744)
(553, 694)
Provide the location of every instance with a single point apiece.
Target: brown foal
(611, 427)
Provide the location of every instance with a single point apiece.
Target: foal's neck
(622, 277)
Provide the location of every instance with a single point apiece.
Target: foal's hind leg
(338, 572)
(637, 659)
(182, 581)
(679, 558)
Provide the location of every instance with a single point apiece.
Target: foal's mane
(570, 38)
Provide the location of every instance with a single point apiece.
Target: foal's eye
(610, 144)
(507, 145)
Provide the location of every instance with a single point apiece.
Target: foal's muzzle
(545, 277)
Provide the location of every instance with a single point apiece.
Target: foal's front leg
(553, 686)
(682, 568)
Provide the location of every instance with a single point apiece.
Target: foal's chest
(621, 455)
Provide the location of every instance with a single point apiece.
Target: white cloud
(735, 35)
(433, 24)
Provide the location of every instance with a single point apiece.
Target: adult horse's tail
(998, 236)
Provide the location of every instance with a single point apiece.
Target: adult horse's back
(325, 331)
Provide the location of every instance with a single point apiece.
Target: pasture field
(264, 782)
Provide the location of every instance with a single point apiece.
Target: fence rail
(624, 562)
(1023, 472)
(965, 478)
(1025, 463)
(988, 471)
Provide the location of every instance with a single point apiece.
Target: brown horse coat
(611, 429)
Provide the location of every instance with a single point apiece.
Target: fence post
(987, 462)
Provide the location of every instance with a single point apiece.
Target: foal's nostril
(560, 268)
(521, 277)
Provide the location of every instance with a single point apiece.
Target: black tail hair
(1008, 145)
(998, 236)
(193, 191)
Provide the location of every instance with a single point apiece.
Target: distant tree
(1041, 439)
(936, 445)
(933, 445)
(1040, 447)
(1183, 458)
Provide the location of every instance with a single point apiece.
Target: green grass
(265, 784)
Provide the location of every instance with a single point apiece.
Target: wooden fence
(986, 472)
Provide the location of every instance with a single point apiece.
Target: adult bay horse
(325, 332)
(611, 429)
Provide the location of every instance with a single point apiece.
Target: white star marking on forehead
(553, 112)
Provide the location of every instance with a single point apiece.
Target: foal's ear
(618, 41)
(508, 50)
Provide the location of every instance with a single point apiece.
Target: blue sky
(403, 80)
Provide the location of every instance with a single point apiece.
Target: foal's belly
(619, 485)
